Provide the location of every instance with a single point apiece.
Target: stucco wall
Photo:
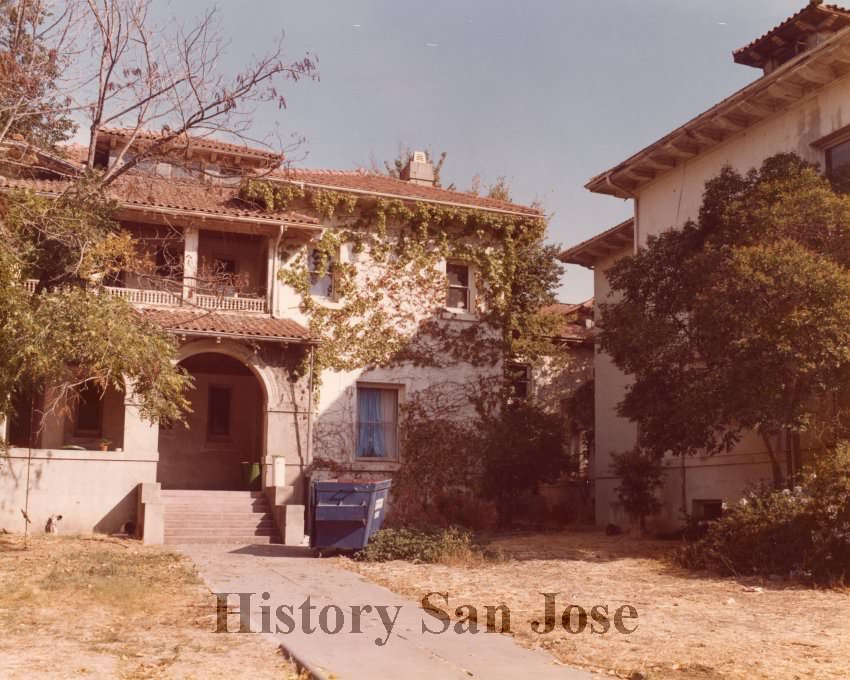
(668, 202)
(189, 459)
(92, 490)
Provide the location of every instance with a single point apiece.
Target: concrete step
(247, 523)
(223, 533)
(215, 502)
(218, 519)
(203, 493)
(222, 540)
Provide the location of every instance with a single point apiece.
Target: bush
(640, 476)
(420, 545)
(804, 532)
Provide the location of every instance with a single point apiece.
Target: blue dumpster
(345, 514)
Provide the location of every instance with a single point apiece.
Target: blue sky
(545, 92)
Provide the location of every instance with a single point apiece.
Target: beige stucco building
(215, 283)
(799, 103)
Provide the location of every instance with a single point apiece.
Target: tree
(116, 68)
(739, 321)
(519, 446)
(34, 39)
(640, 476)
(69, 332)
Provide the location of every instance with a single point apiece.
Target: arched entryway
(225, 427)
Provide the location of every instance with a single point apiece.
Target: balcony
(165, 298)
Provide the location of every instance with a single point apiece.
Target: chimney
(418, 170)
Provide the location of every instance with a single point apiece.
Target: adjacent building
(800, 103)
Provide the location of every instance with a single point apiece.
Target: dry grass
(690, 625)
(109, 608)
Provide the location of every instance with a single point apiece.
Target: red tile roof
(815, 16)
(159, 192)
(196, 322)
(194, 142)
(363, 181)
(574, 315)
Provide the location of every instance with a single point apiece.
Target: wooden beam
(755, 109)
(818, 75)
(785, 90)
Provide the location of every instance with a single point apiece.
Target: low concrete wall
(92, 490)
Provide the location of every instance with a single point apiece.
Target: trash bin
(251, 475)
(346, 513)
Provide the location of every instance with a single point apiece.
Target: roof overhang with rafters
(794, 35)
(767, 96)
(609, 242)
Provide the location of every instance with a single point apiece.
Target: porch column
(190, 261)
(271, 275)
(140, 436)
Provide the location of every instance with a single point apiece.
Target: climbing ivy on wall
(390, 291)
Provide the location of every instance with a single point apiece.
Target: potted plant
(104, 444)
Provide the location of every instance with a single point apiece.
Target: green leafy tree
(70, 332)
(640, 476)
(739, 321)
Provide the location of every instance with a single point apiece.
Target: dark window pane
(458, 274)
(218, 414)
(838, 156)
(89, 409)
(457, 298)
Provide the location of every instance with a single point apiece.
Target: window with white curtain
(377, 422)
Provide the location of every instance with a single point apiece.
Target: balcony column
(190, 262)
(271, 275)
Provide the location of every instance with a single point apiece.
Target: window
(377, 422)
(838, 156)
(708, 509)
(321, 267)
(519, 379)
(838, 165)
(458, 276)
(218, 411)
(89, 411)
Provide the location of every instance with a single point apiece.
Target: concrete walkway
(291, 575)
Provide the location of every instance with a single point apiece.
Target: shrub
(803, 532)
(640, 476)
(420, 545)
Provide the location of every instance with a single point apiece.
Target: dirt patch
(689, 625)
(110, 608)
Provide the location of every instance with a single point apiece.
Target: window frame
(330, 274)
(395, 456)
(469, 287)
(527, 379)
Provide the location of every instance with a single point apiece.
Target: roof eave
(750, 105)
(530, 213)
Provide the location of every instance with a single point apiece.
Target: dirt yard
(689, 625)
(110, 608)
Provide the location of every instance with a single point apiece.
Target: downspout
(306, 482)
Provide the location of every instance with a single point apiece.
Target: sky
(546, 93)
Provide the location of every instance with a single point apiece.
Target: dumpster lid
(372, 484)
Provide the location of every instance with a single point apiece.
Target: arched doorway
(224, 428)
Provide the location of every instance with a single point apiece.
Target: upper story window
(321, 268)
(377, 422)
(518, 377)
(459, 291)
